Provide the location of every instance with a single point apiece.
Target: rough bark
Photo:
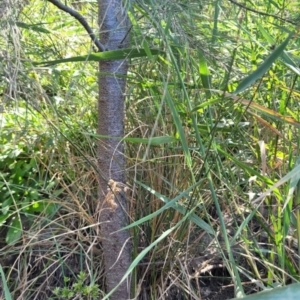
(113, 24)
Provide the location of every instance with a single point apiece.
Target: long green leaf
(293, 186)
(179, 127)
(290, 292)
(193, 218)
(290, 63)
(216, 19)
(263, 68)
(204, 74)
(153, 141)
(292, 174)
(169, 204)
(106, 55)
(33, 27)
(284, 56)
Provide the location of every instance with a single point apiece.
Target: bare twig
(81, 20)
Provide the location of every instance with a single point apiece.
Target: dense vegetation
(212, 150)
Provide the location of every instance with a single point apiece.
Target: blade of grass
(216, 18)
(5, 287)
(179, 128)
(171, 203)
(153, 141)
(107, 55)
(204, 74)
(33, 27)
(230, 265)
(295, 172)
(263, 68)
(285, 57)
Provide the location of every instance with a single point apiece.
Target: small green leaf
(3, 219)
(14, 231)
(44, 206)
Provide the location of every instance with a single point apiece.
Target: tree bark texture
(114, 25)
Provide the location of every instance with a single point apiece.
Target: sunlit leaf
(204, 74)
(290, 63)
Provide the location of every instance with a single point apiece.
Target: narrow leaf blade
(107, 55)
(263, 68)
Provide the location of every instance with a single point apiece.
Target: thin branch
(260, 12)
(81, 20)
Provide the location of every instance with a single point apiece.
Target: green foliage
(24, 188)
(78, 289)
(216, 127)
(263, 68)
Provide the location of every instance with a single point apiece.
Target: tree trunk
(114, 25)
